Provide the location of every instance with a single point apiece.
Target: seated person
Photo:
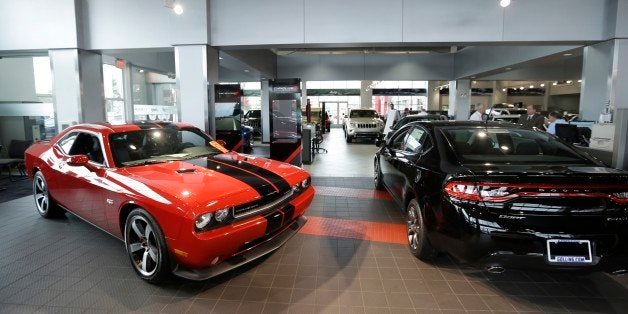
(554, 118)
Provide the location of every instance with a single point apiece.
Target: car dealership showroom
(313, 156)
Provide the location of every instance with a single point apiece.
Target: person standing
(532, 119)
(391, 118)
(478, 115)
(554, 118)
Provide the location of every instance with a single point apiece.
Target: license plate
(569, 251)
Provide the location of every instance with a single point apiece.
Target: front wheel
(379, 183)
(46, 206)
(349, 138)
(146, 246)
(418, 243)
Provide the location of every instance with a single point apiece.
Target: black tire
(349, 138)
(44, 203)
(379, 183)
(146, 247)
(418, 243)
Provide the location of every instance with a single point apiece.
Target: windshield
(510, 146)
(159, 145)
(227, 124)
(363, 114)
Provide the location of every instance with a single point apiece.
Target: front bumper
(364, 133)
(201, 255)
(267, 245)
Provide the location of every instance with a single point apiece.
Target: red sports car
(179, 200)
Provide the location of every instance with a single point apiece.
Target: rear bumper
(485, 239)
(265, 246)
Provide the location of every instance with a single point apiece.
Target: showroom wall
(385, 21)
(17, 80)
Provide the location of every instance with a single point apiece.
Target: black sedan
(499, 195)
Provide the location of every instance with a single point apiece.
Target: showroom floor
(350, 257)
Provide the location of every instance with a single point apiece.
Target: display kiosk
(285, 120)
(229, 115)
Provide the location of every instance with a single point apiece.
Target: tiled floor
(342, 264)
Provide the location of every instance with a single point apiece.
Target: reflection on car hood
(217, 182)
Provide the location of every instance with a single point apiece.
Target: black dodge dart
(499, 195)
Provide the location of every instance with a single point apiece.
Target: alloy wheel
(414, 227)
(40, 191)
(142, 246)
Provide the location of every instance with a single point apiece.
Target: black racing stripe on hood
(260, 185)
(277, 180)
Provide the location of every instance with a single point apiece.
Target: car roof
(106, 127)
(453, 124)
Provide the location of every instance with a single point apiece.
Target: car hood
(364, 120)
(216, 182)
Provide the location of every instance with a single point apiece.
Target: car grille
(367, 125)
(263, 205)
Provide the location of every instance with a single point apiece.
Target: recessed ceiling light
(521, 88)
(568, 82)
(531, 86)
(503, 89)
(178, 9)
(141, 70)
(542, 85)
(508, 69)
(579, 81)
(504, 3)
(555, 83)
(247, 71)
(567, 54)
(219, 58)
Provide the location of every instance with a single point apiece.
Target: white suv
(363, 123)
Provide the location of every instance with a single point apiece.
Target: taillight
(494, 192)
(621, 197)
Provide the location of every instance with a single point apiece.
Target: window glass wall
(411, 95)
(154, 96)
(114, 93)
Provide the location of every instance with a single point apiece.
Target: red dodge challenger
(180, 201)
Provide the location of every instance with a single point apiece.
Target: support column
(597, 70)
(197, 72)
(366, 95)
(460, 99)
(546, 97)
(499, 94)
(433, 96)
(265, 112)
(78, 92)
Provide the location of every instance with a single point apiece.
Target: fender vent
(186, 170)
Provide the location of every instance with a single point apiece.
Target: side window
(66, 142)
(398, 141)
(416, 141)
(87, 144)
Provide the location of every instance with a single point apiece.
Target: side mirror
(78, 160)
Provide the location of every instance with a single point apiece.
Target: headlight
(353, 124)
(203, 220)
(305, 183)
(220, 217)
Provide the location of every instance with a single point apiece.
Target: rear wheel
(46, 206)
(418, 243)
(146, 246)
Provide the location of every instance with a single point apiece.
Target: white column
(597, 70)
(366, 95)
(78, 93)
(265, 112)
(460, 99)
(196, 68)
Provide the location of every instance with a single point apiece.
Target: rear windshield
(363, 114)
(227, 124)
(475, 145)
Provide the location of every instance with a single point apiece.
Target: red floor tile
(356, 229)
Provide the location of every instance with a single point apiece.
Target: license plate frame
(578, 258)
